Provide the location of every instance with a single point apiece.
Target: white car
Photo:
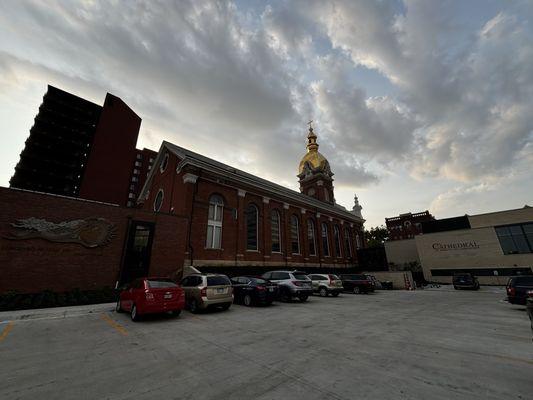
(325, 284)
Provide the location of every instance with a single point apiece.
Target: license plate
(221, 290)
(271, 289)
(168, 296)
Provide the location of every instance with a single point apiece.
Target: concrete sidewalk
(55, 312)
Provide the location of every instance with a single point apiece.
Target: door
(138, 251)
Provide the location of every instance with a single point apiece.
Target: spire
(356, 210)
(312, 145)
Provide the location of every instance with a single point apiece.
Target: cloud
(239, 85)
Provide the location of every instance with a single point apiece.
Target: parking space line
(6, 330)
(115, 324)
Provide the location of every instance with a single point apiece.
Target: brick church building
(236, 219)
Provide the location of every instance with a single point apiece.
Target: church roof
(189, 157)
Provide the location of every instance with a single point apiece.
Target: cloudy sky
(417, 104)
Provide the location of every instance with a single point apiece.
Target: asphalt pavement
(425, 344)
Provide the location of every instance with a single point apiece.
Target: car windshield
(161, 283)
(300, 276)
(217, 280)
(333, 277)
(524, 280)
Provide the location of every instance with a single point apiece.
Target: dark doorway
(138, 250)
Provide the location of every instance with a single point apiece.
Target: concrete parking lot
(426, 344)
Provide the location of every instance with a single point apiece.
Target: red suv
(150, 296)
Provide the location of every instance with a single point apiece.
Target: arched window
(158, 202)
(295, 235)
(251, 227)
(337, 234)
(276, 232)
(311, 237)
(357, 241)
(214, 222)
(347, 243)
(325, 241)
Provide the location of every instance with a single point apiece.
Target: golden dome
(315, 160)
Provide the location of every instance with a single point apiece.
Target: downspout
(189, 245)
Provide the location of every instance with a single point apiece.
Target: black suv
(465, 281)
(517, 288)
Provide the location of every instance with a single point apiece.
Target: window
(218, 280)
(295, 235)
(158, 202)
(326, 194)
(214, 222)
(311, 237)
(276, 276)
(276, 233)
(251, 227)
(357, 241)
(516, 239)
(337, 237)
(311, 192)
(164, 163)
(325, 242)
(347, 243)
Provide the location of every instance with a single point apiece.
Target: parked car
(292, 284)
(465, 281)
(204, 291)
(325, 284)
(517, 288)
(529, 304)
(356, 283)
(149, 296)
(250, 290)
(375, 283)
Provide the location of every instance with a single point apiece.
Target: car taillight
(511, 291)
(260, 288)
(149, 296)
(529, 293)
(203, 291)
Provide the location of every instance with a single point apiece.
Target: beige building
(492, 246)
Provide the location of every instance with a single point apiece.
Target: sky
(417, 104)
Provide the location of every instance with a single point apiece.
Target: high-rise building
(56, 152)
(80, 149)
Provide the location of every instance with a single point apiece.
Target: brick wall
(33, 265)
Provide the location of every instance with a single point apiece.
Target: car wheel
(247, 300)
(356, 290)
(323, 292)
(335, 294)
(455, 287)
(176, 313)
(118, 307)
(225, 306)
(134, 314)
(193, 306)
(303, 298)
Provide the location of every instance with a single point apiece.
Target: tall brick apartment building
(80, 149)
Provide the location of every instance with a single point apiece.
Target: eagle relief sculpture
(90, 232)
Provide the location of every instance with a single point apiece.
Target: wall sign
(469, 245)
(90, 232)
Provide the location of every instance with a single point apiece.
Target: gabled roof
(191, 158)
